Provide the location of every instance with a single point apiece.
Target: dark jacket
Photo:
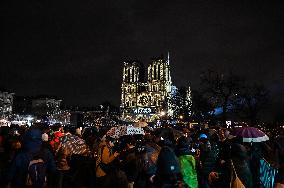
(279, 178)
(187, 165)
(17, 173)
(239, 158)
(168, 168)
(209, 156)
(130, 165)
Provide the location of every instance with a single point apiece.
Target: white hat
(44, 137)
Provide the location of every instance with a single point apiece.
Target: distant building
(22, 105)
(150, 99)
(77, 119)
(45, 106)
(6, 103)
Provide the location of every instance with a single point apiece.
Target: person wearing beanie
(209, 153)
(44, 137)
(17, 173)
(45, 141)
(203, 136)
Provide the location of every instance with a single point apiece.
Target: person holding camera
(105, 158)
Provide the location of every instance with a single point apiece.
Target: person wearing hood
(187, 162)
(168, 172)
(18, 171)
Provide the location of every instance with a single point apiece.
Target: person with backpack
(34, 165)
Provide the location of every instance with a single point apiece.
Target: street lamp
(162, 113)
(163, 117)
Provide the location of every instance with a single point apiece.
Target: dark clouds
(75, 49)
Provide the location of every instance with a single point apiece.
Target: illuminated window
(155, 73)
(158, 72)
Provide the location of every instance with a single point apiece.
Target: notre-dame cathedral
(147, 98)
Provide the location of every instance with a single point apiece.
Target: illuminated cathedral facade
(147, 97)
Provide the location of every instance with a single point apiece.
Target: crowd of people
(161, 158)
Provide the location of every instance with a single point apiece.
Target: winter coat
(279, 178)
(225, 150)
(130, 165)
(168, 168)
(167, 162)
(209, 156)
(61, 159)
(188, 170)
(106, 158)
(239, 158)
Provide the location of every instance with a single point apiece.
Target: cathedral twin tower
(146, 99)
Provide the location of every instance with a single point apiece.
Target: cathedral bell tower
(129, 86)
(159, 81)
(147, 99)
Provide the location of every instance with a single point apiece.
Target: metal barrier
(267, 174)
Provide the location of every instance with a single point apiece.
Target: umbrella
(74, 144)
(113, 132)
(130, 130)
(250, 134)
(148, 129)
(116, 132)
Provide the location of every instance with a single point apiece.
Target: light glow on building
(146, 99)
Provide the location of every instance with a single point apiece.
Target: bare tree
(220, 89)
(202, 109)
(252, 99)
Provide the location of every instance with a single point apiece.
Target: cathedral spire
(168, 60)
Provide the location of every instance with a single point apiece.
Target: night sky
(75, 49)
